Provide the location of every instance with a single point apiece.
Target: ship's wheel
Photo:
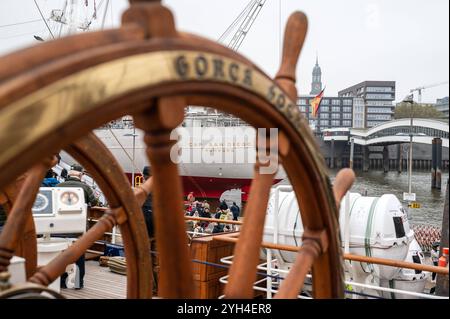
(54, 94)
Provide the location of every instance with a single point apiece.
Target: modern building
(442, 106)
(378, 97)
(333, 112)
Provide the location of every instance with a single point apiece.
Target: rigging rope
(18, 23)
(43, 19)
(236, 21)
(126, 153)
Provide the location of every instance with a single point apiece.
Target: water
(377, 183)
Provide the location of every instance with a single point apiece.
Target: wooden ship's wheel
(54, 94)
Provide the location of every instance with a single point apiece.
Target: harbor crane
(419, 89)
(244, 21)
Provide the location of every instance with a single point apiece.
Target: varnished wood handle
(294, 36)
(142, 191)
(344, 181)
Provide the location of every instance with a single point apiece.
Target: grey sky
(406, 41)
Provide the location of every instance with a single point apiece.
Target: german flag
(315, 103)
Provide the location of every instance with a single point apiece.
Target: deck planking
(99, 283)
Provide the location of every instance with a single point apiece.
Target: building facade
(378, 97)
(333, 112)
(442, 106)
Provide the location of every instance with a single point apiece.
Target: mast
(62, 17)
(104, 14)
(73, 11)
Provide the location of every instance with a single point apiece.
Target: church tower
(316, 84)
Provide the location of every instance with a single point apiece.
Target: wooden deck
(99, 283)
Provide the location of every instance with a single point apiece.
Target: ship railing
(204, 119)
(216, 220)
(207, 120)
(116, 236)
(224, 280)
(374, 260)
(235, 223)
(274, 273)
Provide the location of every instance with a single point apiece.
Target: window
(379, 103)
(335, 115)
(358, 123)
(380, 96)
(302, 101)
(347, 123)
(379, 110)
(336, 102)
(324, 108)
(346, 109)
(335, 109)
(303, 109)
(380, 117)
(347, 102)
(347, 115)
(324, 122)
(324, 115)
(379, 89)
(325, 102)
(335, 123)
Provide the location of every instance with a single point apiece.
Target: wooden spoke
(342, 184)
(18, 235)
(246, 253)
(142, 191)
(96, 158)
(175, 279)
(93, 155)
(50, 272)
(314, 243)
(294, 36)
(246, 256)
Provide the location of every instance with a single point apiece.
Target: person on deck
(74, 177)
(2, 217)
(190, 197)
(49, 179)
(74, 180)
(147, 210)
(224, 214)
(235, 210)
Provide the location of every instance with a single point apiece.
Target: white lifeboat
(378, 228)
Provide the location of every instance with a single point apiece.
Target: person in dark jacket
(147, 207)
(74, 180)
(2, 217)
(205, 214)
(235, 210)
(197, 209)
(64, 174)
(49, 179)
(147, 210)
(223, 205)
